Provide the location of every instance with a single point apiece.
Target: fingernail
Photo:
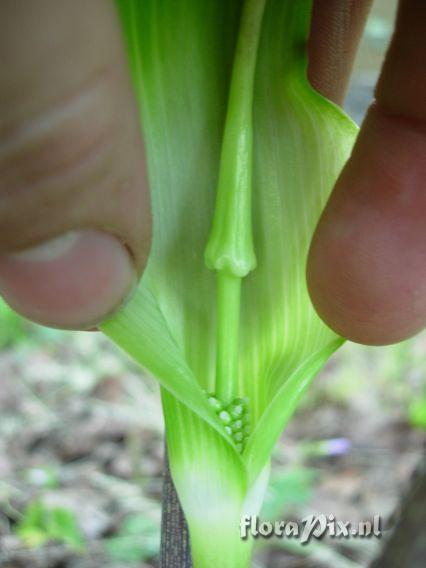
(72, 281)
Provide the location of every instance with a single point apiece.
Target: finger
(74, 211)
(336, 30)
(367, 264)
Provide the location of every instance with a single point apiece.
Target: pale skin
(72, 160)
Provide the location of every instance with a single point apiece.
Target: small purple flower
(337, 446)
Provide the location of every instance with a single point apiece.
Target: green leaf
(12, 326)
(137, 540)
(292, 487)
(417, 413)
(42, 523)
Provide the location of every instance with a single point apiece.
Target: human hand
(71, 163)
(367, 264)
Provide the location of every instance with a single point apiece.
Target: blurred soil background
(81, 436)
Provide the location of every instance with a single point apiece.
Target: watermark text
(312, 526)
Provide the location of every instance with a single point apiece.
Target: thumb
(74, 205)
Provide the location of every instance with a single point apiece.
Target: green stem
(230, 244)
(230, 249)
(228, 325)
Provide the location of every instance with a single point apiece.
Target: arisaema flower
(242, 155)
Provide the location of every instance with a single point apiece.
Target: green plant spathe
(246, 330)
